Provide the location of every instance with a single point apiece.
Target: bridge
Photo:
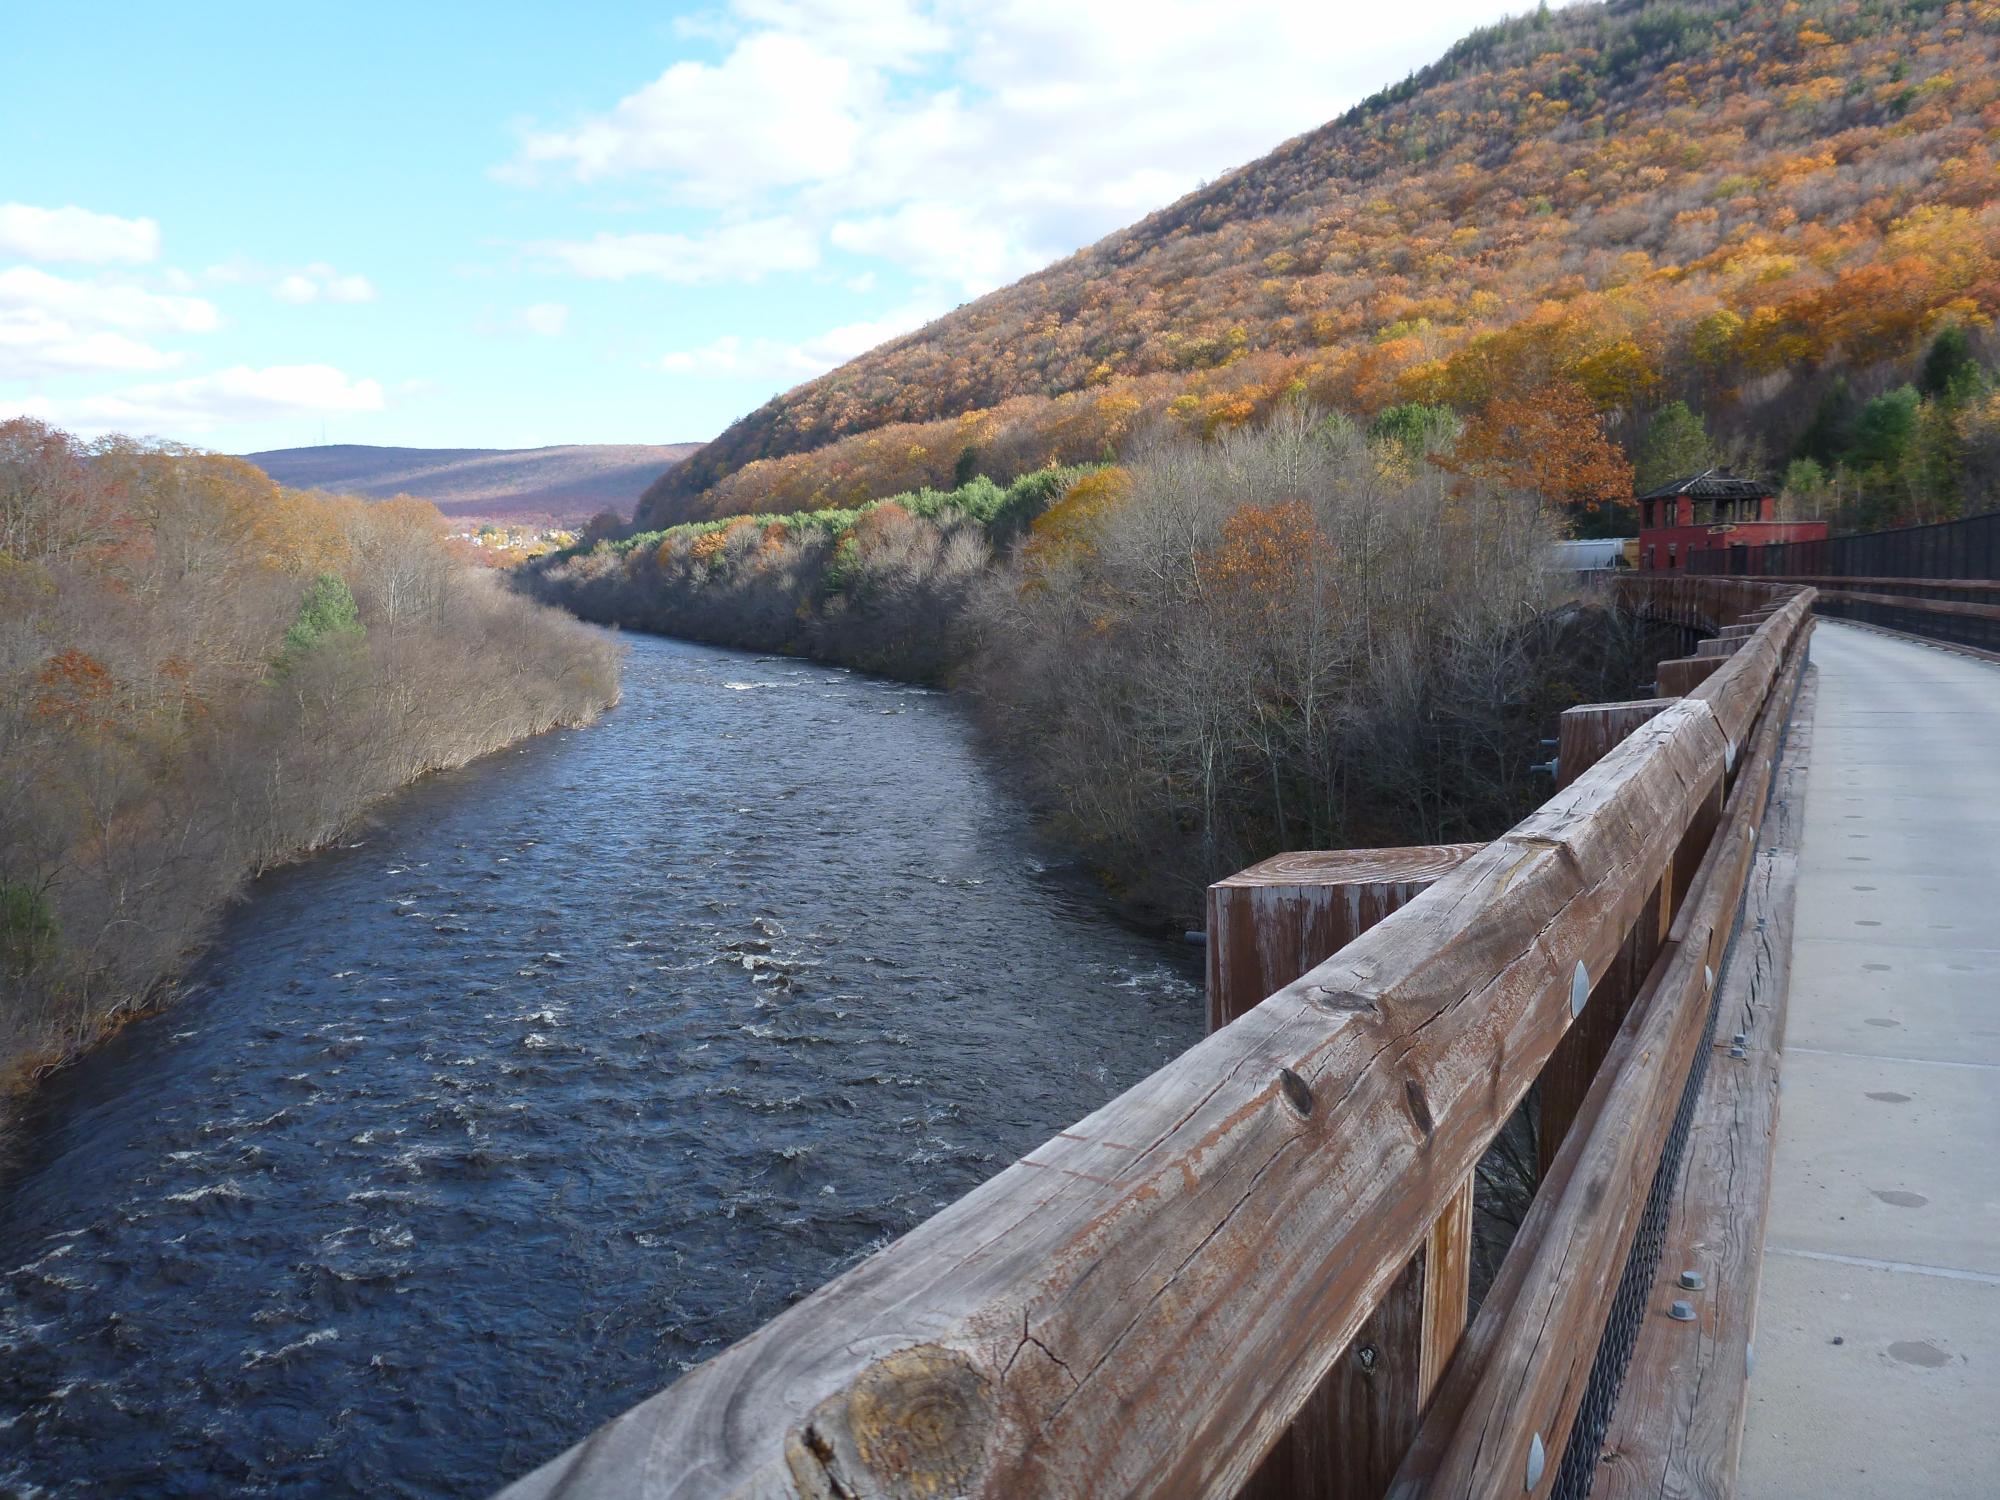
(1252, 1274)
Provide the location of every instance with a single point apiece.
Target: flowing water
(577, 1065)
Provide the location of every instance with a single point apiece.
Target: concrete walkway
(1878, 1326)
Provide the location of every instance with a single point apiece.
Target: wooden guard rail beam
(1142, 1305)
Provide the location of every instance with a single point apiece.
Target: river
(575, 1066)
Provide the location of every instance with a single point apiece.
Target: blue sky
(505, 225)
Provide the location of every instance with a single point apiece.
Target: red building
(1708, 510)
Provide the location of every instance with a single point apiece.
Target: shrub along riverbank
(1292, 637)
(203, 675)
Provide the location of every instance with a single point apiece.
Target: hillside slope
(1725, 203)
(568, 483)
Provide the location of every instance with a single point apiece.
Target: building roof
(1710, 484)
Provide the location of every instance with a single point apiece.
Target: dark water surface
(583, 1063)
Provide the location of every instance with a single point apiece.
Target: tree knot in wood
(1420, 1107)
(1298, 1093)
(1340, 1002)
(912, 1426)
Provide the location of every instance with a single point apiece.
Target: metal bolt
(1366, 1356)
(1537, 1461)
(1681, 1312)
(1739, 1039)
(1579, 989)
(1738, 1052)
(1692, 1280)
(1707, 977)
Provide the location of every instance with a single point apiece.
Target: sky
(246, 226)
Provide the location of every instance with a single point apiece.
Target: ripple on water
(449, 1156)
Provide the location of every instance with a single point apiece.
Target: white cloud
(52, 325)
(105, 304)
(967, 141)
(940, 242)
(76, 234)
(776, 111)
(235, 395)
(774, 359)
(734, 252)
(33, 343)
(549, 319)
(319, 282)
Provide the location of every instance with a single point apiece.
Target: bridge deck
(1878, 1329)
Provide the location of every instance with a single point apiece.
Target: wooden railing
(1166, 1298)
(1960, 611)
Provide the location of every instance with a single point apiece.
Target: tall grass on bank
(203, 675)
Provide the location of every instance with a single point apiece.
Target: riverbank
(204, 676)
(1300, 636)
(569, 1068)
(432, 720)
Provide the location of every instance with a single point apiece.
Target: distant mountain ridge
(570, 482)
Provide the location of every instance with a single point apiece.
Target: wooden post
(1683, 674)
(1721, 645)
(1266, 927)
(1587, 733)
(1270, 923)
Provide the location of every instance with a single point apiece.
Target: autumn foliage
(203, 673)
(1732, 206)
(1551, 444)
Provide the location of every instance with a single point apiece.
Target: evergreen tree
(1419, 426)
(326, 614)
(1950, 373)
(1831, 430)
(1885, 430)
(1676, 446)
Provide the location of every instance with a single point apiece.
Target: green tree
(1885, 430)
(966, 469)
(1418, 425)
(27, 929)
(1934, 464)
(1950, 374)
(1831, 430)
(326, 614)
(1676, 446)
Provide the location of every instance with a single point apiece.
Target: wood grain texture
(1270, 923)
(1536, 1364)
(1447, 1289)
(1139, 1305)
(1678, 1427)
(1586, 733)
(1680, 675)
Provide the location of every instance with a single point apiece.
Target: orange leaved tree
(1549, 442)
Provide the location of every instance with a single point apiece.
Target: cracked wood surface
(1679, 1424)
(1139, 1305)
(1524, 1368)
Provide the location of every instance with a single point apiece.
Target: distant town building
(1709, 510)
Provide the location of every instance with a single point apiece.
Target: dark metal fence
(1941, 581)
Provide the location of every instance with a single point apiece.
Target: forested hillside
(203, 674)
(1767, 213)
